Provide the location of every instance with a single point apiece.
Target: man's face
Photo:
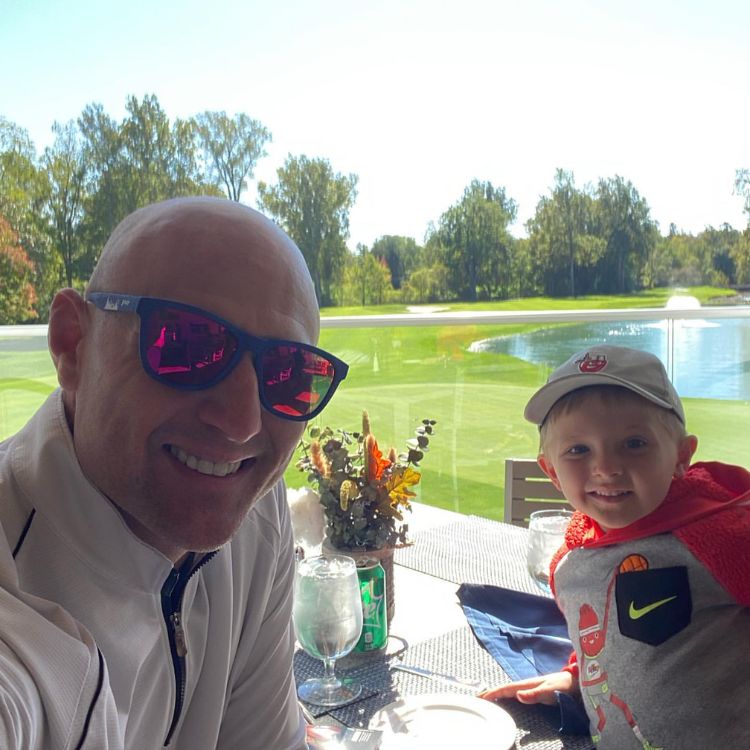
(165, 457)
(613, 460)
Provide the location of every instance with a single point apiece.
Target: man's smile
(203, 465)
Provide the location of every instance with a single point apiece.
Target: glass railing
(473, 373)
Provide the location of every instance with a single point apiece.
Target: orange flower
(318, 459)
(374, 461)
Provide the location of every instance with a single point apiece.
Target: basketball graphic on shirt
(633, 563)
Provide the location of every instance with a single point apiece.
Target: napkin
(527, 636)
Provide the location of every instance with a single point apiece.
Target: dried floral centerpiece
(363, 494)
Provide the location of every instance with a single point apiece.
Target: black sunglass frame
(257, 346)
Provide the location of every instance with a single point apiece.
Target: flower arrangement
(363, 494)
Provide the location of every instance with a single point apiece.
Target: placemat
(458, 653)
(305, 667)
(472, 550)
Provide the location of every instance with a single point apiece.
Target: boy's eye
(577, 450)
(635, 443)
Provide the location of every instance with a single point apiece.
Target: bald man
(145, 498)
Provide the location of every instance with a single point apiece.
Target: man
(145, 498)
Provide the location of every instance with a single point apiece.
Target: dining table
(430, 630)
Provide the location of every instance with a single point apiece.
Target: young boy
(654, 575)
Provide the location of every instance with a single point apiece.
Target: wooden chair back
(528, 488)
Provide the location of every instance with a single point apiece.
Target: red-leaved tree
(17, 294)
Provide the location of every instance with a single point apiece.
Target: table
(429, 628)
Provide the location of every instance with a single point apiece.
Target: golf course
(402, 375)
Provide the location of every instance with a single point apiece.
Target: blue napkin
(526, 635)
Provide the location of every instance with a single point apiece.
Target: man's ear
(549, 470)
(68, 323)
(685, 451)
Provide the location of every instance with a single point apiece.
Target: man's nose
(233, 405)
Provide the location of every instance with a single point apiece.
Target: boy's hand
(535, 689)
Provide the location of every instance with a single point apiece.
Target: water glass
(328, 621)
(546, 535)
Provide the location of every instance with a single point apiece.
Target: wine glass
(546, 535)
(328, 622)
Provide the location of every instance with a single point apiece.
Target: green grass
(401, 375)
(648, 298)
(27, 377)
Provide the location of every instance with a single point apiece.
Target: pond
(711, 358)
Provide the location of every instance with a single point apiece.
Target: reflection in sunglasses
(185, 347)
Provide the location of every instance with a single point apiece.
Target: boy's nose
(608, 465)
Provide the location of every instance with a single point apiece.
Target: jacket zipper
(171, 605)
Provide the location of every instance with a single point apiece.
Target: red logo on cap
(592, 364)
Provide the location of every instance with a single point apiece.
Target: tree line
(57, 209)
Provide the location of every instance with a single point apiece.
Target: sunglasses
(190, 349)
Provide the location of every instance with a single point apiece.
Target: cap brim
(546, 397)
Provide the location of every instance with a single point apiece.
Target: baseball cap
(603, 364)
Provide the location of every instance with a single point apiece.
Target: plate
(445, 720)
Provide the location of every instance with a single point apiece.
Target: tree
(428, 284)
(312, 204)
(142, 160)
(562, 238)
(476, 243)
(231, 148)
(400, 253)
(66, 171)
(742, 187)
(17, 295)
(741, 258)
(106, 189)
(367, 279)
(630, 234)
(22, 190)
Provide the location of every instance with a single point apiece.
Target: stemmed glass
(328, 622)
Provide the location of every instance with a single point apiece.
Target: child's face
(614, 460)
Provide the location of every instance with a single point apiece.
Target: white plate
(451, 721)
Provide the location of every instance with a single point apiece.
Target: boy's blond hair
(609, 394)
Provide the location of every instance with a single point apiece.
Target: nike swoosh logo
(638, 612)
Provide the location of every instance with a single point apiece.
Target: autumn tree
(17, 295)
(22, 189)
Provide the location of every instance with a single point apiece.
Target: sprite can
(374, 618)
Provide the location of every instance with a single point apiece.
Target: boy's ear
(549, 470)
(67, 327)
(685, 451)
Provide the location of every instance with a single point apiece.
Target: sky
(419, 97)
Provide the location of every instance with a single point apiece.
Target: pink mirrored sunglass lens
(187, 348)
(295, 379)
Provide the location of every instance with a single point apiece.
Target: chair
(528, 488)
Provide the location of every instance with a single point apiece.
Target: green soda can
(374, 619)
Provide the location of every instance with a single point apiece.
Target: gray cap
(638, 371)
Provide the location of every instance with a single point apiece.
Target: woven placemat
(472, 550)
(458, 653)
(305, 667)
